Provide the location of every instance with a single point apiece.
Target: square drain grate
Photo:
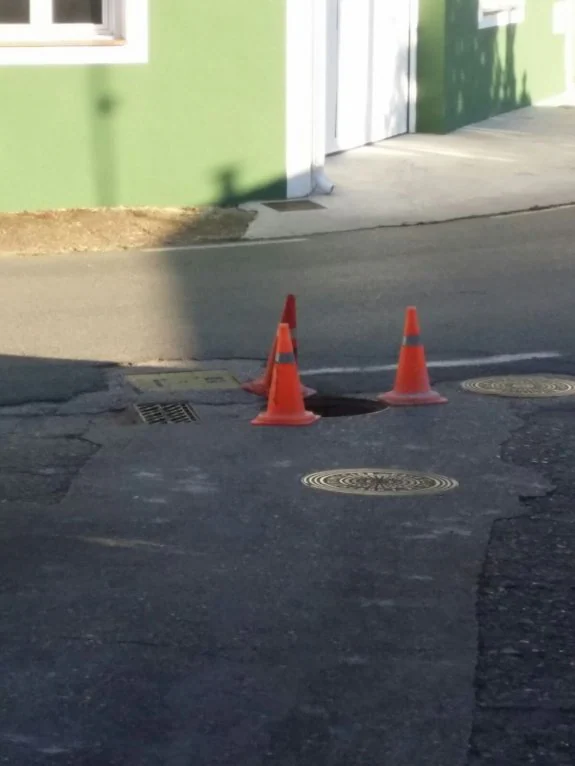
(162, 414)
(294, 205)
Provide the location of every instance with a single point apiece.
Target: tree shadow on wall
(482, 79)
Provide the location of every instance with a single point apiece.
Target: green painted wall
(431, 82)
(202, 123)
(467, 75)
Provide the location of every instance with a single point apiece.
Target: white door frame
(306, 93)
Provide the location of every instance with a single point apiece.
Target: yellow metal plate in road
(190, 380)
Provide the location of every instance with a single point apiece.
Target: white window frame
(122, 38)
(500, 13)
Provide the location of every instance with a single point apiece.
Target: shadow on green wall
(482, 79)
(103, 105)
(478, 75)
(102, 108)
(229, 223)
(231, 190)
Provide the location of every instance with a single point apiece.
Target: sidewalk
(516, 161)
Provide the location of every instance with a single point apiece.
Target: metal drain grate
(294, 205)
(187, 380)
(162, 414)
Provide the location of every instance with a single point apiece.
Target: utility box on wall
(479, 58)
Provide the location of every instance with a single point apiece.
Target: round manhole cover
(379, 481)
(521, 386)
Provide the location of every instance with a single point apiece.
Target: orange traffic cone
(412, 380)
(285, 403)
(261, 386)
(289, 316)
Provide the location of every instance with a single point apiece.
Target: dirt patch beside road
(105, 229)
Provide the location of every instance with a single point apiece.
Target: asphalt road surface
(483, 287)
(124, 643)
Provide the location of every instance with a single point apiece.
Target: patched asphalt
(178, 598)
(525, 682)
(191, 602)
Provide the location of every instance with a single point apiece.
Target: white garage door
(367, 70)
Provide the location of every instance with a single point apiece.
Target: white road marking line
(221, 245)
(441, 363)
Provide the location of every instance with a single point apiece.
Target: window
(73, 31)
(498, 13)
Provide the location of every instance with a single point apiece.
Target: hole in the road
(342, 406)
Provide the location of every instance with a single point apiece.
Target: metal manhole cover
(161, 414)
(379, 481)
(294, 205)
(188, 380)
(521, 386)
